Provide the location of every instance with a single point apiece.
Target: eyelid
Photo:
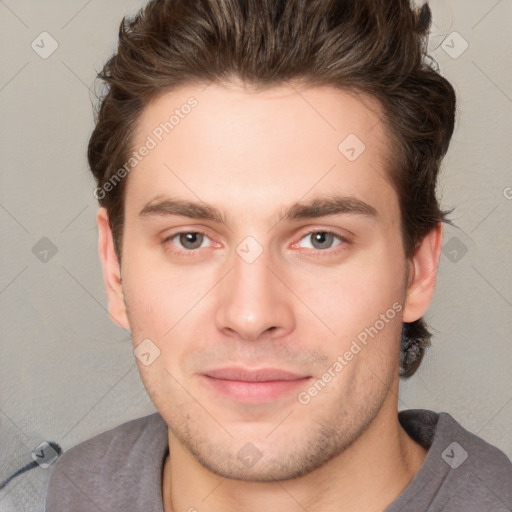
(342, 239)
(174, 234)
(177, 250)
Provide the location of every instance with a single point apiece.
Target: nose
(254, 301)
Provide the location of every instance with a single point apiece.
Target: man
(270, 235)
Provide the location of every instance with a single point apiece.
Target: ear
(423, 274)
(111, 271)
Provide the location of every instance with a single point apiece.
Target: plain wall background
(68, 373)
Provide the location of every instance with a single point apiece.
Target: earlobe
(423, 274)
(111, 271)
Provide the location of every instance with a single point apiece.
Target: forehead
(226, 144)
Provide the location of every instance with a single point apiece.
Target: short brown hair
(368, 46)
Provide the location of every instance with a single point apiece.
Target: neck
(368, 475)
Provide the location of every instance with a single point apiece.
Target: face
(262, 258)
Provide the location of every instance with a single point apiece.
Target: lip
(253, 375)
(254, 385)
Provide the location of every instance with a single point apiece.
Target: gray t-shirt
(121, 470)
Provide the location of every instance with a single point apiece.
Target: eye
(321, 240)
(187, 240)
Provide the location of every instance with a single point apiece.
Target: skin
(298, 306)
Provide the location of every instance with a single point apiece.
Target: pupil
(191, 240)
(323, 239)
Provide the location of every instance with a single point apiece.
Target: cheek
(157, 311)
(169, 305)
(352, 295)
(361, 303)
(155, 298)
(334, 304)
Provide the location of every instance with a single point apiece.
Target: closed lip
(254, 375)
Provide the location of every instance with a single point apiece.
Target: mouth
(254, 386)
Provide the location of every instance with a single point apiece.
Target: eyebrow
(171, 206)
(321, 207)
(334, 205)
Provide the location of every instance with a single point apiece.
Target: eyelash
(314, 252)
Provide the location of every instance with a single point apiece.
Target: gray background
(68, 373)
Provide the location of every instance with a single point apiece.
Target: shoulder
(462, 470)
(483, 472)
(105, 466)
(441, 431)
(468, 447)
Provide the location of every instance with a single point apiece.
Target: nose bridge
(252, 299)
(251, 274)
